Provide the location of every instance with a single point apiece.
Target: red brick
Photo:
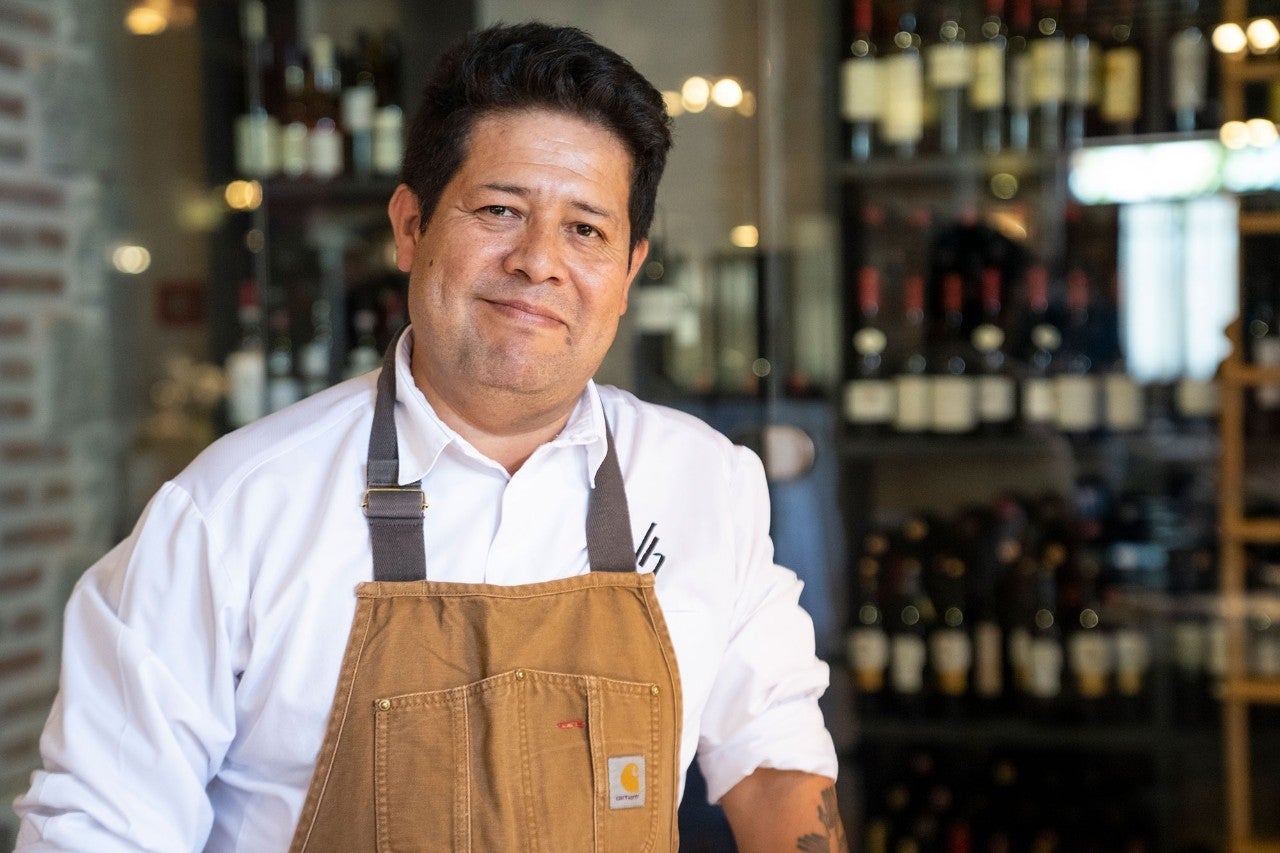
(27, 194)
(31, 283)
(14, 327)
(38, 701)
(34, 21)
(20, 662)
(39, 533)
(12, 57)
(16, 369)
(33, 451)
(20, 580)
(58, 490)
(49, 238)
(21, 749)
(13, 149)
(26, 622)
(14, 497)
(13, 107)
(16, 410)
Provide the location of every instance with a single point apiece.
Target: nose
(537, 253)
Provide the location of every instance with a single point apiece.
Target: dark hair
(508, 68)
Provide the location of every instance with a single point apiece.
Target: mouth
(524, 312)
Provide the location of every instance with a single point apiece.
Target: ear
(405, 225)
(638, 255)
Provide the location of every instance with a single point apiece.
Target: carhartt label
(626, 782)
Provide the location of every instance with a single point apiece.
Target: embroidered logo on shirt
(626, 781)
(646, 549)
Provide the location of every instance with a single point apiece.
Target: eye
(497, 209)
(584, 230)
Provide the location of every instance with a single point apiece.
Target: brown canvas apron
(487, 718)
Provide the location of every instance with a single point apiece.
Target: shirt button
(519, 675)
(384, 704)
(653, 688)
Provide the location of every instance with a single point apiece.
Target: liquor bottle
(1082, 74)
(1075, 384)
(1046, 655)
(296, 113)
(1189, 70)
(1191, 573)
(911, 615)
(1000, 547)
(359, 103)
(388, 123)
(364, 356)
(997, 405)
(951, 377)
(317, 353)
(1040, 347)
(1048, 77)
(1122, 74)
(283, 387)
(868, 395)
(1124, 405)
(860, 83)
(902, 76)
(1133, 668)
(247, 365)
(1019, 74)
(950, 73)
(257, 131)
(912, 390)
(987, 93)
(1262, 348)
(950, 644)
(1090, 654)
(868, 639)
(324, 137)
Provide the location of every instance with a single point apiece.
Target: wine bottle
(1122, 74)
(911, 616)
(1048, 77)
(1040, 347)
(949, 75)
(1019, 75)
(868, 639)
(860, 83)
(1191, 572)
(294, 131)
(1090, 655)
(868, 400)
(317, 353)
(1124, 404)
(359, 102)
(997, 405)
(954, 390)
(1082, 75)
(950, 645)
(1262, 347)
(987, 93)
(283, 388)
(902, 76)
(1075, 383)
(257, 131)
(364, 356)
(911, 387)
(1188, 70)
(1044, 682)
(247, 365)
(324, 137)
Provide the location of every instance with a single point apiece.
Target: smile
(523, 312)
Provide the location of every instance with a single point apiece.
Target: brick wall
(58, 439)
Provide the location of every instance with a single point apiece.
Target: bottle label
(388, 140)
(868, 401)
(869, 655)
(1266, 654)
(954, 404)
(1125, 407)
(1048, 70)
(1189, 646)
(247, 386)
(1039, 406)
(257, 145)
(1077, 409)
(358, 104)
(950, 65)
(987, 91)
(1197, 398)
(907, 659)
(914, 405)
(995, 399)
(1121, 95)
(1133, 659)
(1082, 76)
(283, 391)
(952, 653)
(1090, 658)
(988, 679)
(1020, 657)
(1019, 84)
(1266, 353)
(1188, 71)
(293, 149)
(903, 81)
(860, 89)
(324, 150)
(1216, 648)
(1046, 668)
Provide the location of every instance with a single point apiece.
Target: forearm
(775, 810)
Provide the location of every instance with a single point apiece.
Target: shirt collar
(422, 436)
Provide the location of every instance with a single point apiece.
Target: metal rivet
(384, 704)
(653, 688)
(519, 674)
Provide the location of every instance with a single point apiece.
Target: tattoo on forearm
(831, 839)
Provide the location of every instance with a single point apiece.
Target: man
(516, 675)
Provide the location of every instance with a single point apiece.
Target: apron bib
(477, 717)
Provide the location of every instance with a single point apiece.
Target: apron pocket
(525, 760)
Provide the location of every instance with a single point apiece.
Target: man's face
(519, 279)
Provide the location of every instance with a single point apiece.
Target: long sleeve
(146, 702)
(763, 706)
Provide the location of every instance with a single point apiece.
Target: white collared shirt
(201, 654)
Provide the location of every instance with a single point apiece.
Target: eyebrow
(523, 192)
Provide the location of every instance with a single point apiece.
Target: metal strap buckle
(389, 503)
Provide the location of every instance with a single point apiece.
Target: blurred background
(990, 284)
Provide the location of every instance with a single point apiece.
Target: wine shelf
(1253, 690)
(1254, 222)
(1012, 731)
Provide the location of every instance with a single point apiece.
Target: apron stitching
(650, 597)
(462, 799)
(594, 737)
(525, 768)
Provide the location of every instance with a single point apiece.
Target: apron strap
(395, 513)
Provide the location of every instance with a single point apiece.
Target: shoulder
(309, 434)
